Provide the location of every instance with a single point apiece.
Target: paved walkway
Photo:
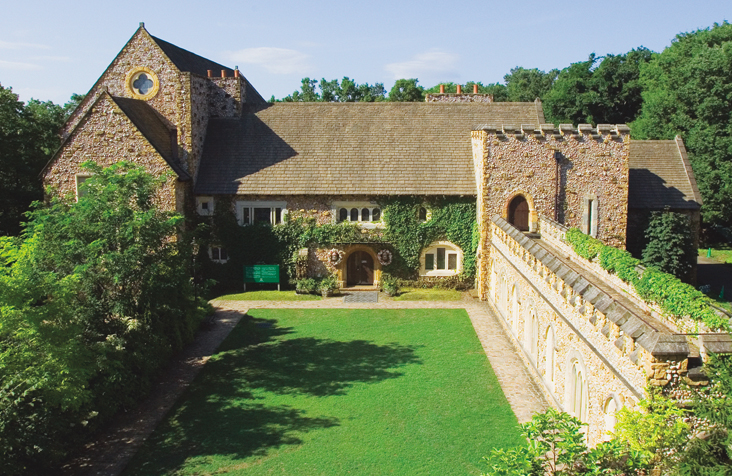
(110, 454)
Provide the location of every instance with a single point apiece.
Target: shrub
(306, 286)
(389, 284)
(329, 285)
(670, 245)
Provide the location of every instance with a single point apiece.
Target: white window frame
(360, 206)
(78, 183)
(217, 259)
(590, 219)
(450, 248)
(251, 205)
(199, 206)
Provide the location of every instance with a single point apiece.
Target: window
(366, 214)
(261, 212)
(577, 391)
(551, 355)
(218, 254)
(422, 214)
(205, 206)
(441, 259)
(590, 217)
(80, 179)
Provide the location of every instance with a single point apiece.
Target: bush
(93, 300)
(306, 286)
(670, 245)
(329, 286)
(389, 284)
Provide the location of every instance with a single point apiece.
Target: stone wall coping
(656, 340)
(599, 131)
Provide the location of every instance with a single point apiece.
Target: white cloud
(18, 66)
(274, 60)
(63, 59)
(12, 45)
(424, 64)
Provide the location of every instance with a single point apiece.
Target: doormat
(362, 296)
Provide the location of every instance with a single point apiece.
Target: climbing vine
(452, 219)
(676, 298)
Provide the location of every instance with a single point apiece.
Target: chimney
(459, 89)
(442, 89)
(210, 73)
(475, 89)
(236, 71)
(223, 73)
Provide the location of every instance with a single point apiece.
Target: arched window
(342, 214)
(533, 336)
(590, 215)
(610, 410)
(422, 214)
(518, 213)
(365, 215)
(577, 391)
(551, 357)
(441, 258)
(376, 215)
(354, 214)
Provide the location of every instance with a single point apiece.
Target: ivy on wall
(676, 298)
(452, 219)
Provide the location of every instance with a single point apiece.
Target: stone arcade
(590, 340)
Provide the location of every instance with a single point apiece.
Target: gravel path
(113, 449)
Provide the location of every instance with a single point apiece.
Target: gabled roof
(154, 129)
(145, 119)
(350, 148)
(660, 176)
(184, 60)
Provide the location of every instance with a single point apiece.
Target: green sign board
(262, 273)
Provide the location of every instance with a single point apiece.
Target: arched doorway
(518, 213)
(360, 269)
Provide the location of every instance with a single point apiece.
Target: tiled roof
(660, 176)
(154, 129)
(184, 60)
(350, 148)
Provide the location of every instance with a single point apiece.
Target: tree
(525, 85)
(28, 139)
(406, 90)
(557, 446)
(670, 245)
(590, 93)
(686, 91)
(94, 297)
(346, 90)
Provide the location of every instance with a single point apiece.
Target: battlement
(563, 132)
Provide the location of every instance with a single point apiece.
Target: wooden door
(360, 269)
(518, 213)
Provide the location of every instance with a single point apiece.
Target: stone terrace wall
(106, 135)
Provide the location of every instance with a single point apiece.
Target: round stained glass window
(142, 83)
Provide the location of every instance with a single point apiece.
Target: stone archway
(519, 210)
(351, 270)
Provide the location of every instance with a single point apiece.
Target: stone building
(592, 343)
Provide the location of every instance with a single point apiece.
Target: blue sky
(51, 49)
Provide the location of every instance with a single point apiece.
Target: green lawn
(334, 392)
(269, 296)
(430, 294)
(721, 255)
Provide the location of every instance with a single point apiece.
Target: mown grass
(335, 392)
(429, 294)
(721, 255)
(269, 296)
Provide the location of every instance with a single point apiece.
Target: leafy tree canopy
(346, 90)
(687, 90)
(28, 138)
(525, 85)
(406, 90)
(670, 245)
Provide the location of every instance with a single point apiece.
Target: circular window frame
(132, 76)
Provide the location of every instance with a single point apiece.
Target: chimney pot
(223, 73)
(236, 73)
(442, 89)
(475, 89)
(459, 89)
(210, 73)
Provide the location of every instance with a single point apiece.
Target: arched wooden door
(360, 269)
(518, 213)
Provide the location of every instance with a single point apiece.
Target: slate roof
(660, 176)
(350, 148)
(184, 60)
(154, 129)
